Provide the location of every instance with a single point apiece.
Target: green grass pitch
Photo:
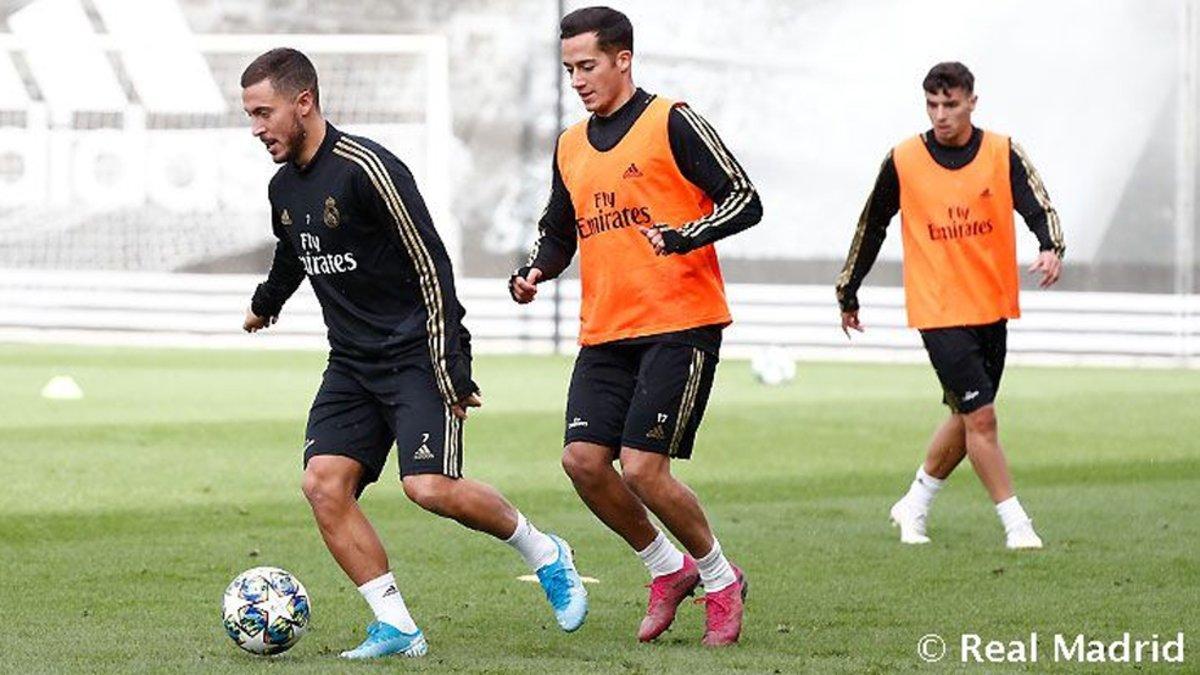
(124, 515)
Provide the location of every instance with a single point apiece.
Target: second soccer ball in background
(773, 366)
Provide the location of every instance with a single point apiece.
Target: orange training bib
(628, 291)
(960, 257)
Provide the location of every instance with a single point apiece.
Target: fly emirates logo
(317, 263)
(604, 216)
(959, 224)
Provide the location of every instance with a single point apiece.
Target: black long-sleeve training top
(353, 221)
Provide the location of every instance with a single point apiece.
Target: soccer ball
(773, 366)
(266, 610)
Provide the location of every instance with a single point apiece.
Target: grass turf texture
(124, 515)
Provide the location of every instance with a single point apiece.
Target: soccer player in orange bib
(956, 187)
(642, 188)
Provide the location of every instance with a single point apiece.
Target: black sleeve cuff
(674, 241)
(847, 301)
(460, 378)
(262, 305)
(1060, 251)
(459, 365)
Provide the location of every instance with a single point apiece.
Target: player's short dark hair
(289, 71)
(614, 32)
(949, 75)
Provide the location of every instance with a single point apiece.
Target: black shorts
(969, 361)
(362, 409)
(645, 396)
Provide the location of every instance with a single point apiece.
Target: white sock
(536, 548)
(1011, 514)
(382, 594)
(923, 489)
(715, 571)
(661, 556)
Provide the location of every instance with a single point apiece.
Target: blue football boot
(564, 589)
(384, 639)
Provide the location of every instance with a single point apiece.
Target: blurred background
(133, 200)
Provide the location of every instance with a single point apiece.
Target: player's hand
(524, 289)
(655, 237)
(850, 322)
(255, 323)
(460, 409)
(1050, 265)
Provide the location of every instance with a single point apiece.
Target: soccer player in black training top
(348, 215)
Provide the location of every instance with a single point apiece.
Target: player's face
(597, 76)
(950, 114)
(275, 119)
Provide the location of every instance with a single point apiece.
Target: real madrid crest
(331, 213)
(286, 218)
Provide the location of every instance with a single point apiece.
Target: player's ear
(624, 60)
(304, 101)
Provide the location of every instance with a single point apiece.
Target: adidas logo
(391, 590)
(970, 395)
(658, 433)
(632, 172)
(423, 452)
(987, 192)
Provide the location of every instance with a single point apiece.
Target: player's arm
(555, 245)
(392, 199)
(282, 281)
(882, 204)
(1032, 201)
(708, 164)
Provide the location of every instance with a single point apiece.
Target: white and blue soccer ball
(266, 610)
(773, 366)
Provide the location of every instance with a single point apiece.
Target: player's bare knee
(645, 474)
(581, 466)
(428, 491)
(324, 490)
(982, 421)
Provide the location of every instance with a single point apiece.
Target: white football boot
(1022, 537)
(911, 522)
